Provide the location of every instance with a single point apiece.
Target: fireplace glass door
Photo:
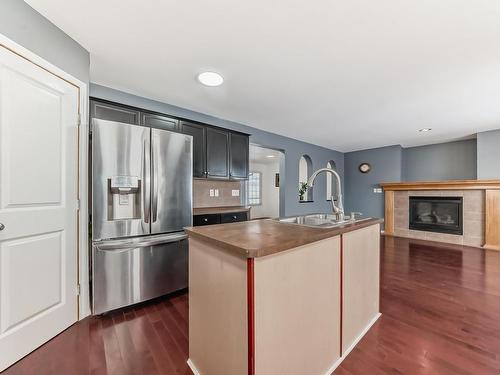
(437, 214)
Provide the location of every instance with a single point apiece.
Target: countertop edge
(285, 246)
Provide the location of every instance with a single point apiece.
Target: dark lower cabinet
(197, 131)
(217, 153)
(230, 217)
(206, 219)
(239, 153)
(233, 217)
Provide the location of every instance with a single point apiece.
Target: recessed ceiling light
(424, 130)
(270, 156)
(210, 79)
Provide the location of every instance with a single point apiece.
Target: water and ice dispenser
(124, 197)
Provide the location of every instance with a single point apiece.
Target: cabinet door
(197, 131)
(233, 217)
(207, 219)
(159, 122)
(238, 156)
(111, 112)
(217, 153)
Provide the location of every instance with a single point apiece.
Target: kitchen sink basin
(319, 220)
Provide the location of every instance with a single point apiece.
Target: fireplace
(437, 214)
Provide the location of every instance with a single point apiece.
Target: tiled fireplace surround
(481, 210)
(473, 216)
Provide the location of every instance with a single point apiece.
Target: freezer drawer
(127, 273)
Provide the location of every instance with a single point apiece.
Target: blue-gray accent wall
(293, 149)
(386, 165)
(443, 161)
(488, 155)
(25, 26)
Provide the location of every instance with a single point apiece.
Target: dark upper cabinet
(217, 153)
(158, 121)
(110, 112)
(199, 149)
(238, 156)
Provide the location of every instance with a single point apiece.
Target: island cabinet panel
(297, 310)
(361, 283)
(218, 340)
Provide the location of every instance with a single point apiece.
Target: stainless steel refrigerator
(141, 200)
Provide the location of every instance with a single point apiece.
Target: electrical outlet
(377, 190)
(235, 193)
(216, 192)
(212, 193)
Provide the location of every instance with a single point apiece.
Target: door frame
(283, 159)
(83, 308)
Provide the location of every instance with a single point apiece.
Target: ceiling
(264, 155)
(346, 75)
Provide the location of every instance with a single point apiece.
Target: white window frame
(259, 189)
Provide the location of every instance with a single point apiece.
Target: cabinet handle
(205, 220)
(235, 217)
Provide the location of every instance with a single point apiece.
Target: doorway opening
(266, 177)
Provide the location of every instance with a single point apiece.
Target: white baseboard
(193, 367)
(337, 362)
(353, 345)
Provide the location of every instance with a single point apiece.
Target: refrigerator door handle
(154, 177)
(145, 178)
(120, 246)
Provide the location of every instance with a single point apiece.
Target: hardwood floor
(440, 306)
(441, 312)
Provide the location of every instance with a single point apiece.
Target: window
(331, 184)
(305, 171)
(255, 189)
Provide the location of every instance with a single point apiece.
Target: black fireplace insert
(437, 214)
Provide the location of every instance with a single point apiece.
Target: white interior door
(38, 207)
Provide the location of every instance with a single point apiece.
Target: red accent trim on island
(251, 316)
(341, 289)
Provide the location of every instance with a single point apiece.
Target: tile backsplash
(226, 197)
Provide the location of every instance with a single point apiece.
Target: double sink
(325, 221)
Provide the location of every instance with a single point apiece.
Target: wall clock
(364, 167)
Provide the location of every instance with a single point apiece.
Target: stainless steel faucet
(338, 209)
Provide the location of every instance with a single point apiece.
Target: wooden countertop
(219, 210)
(258, 238)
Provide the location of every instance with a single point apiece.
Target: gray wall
(292, 148)
(488, 155)
(444, 161)
(25, 26)
(386, 163)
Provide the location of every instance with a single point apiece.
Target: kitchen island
(267, 297)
